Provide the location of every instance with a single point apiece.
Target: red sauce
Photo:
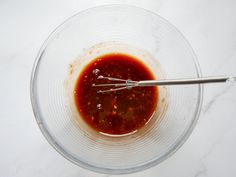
(117, 112)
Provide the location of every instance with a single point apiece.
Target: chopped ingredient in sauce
(118, 112)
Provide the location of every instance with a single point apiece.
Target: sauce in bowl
(120, 112)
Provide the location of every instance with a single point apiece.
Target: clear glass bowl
(135, 27)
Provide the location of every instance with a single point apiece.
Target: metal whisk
(128, 84)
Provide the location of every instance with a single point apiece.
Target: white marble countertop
(210, 27)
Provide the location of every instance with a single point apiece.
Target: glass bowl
(118, 26)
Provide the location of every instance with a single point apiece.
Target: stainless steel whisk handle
(202, 80)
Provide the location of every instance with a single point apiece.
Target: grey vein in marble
(201, 172)
(216, 98)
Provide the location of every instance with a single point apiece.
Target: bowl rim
(105, 170)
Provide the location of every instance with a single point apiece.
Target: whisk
(122, 84)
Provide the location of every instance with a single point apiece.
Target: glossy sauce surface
(119, 112)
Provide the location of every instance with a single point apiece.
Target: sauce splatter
(119, 112)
